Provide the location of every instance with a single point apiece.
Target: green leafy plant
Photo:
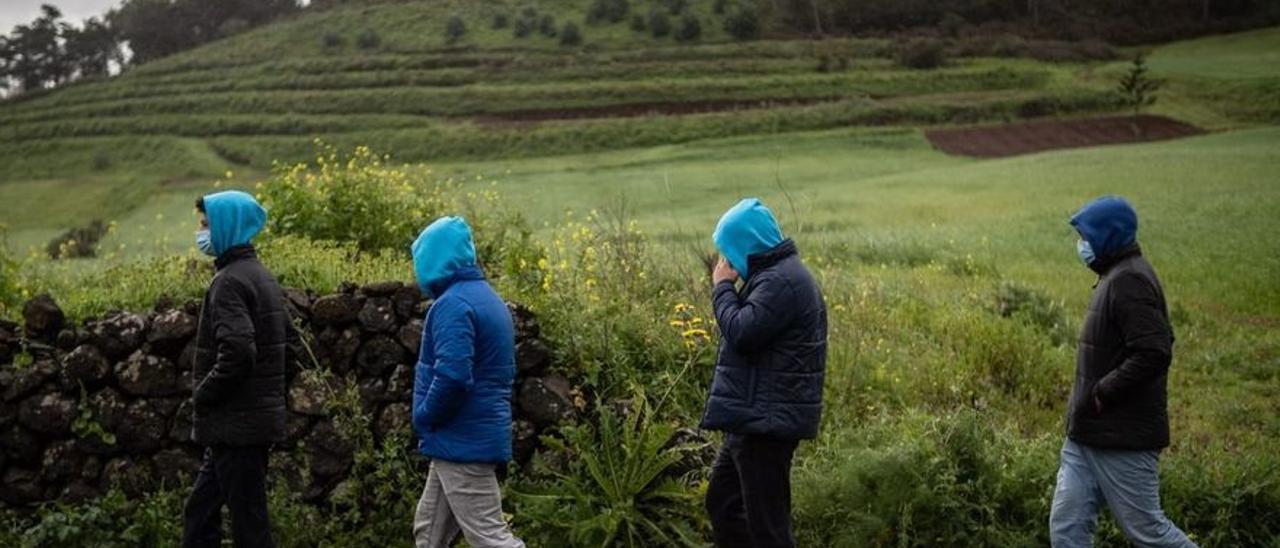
(615, 491)
(85, 426)
(454, 29)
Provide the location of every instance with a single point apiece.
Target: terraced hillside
(266, 94)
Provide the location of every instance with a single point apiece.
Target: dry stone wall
(85, 407)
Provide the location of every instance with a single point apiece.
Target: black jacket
(241, 351)
(773, 350)
(1126, 346)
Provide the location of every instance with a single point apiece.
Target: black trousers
(749, 496)
(237, 478)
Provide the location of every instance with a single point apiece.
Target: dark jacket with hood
(242, 343)
(773, 333)
(1126, 344)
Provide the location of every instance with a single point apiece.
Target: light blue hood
(746, 229)
(441, 251)
(1109, 224)
(234, 219)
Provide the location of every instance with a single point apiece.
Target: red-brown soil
(1024, 138)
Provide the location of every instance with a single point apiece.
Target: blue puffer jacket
(773, 333)
(466, 366)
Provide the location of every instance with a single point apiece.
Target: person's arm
(752, 323)
(1146, 336)
(453, 345)
(235, 349)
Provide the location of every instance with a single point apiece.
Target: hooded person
(461, 393)
(1117, 417)
(766, 393)
(244, 346)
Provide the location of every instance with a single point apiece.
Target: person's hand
(1097, 405)
(723, 272)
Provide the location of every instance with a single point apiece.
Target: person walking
(766, 393)
(1117, 418)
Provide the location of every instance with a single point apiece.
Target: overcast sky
(17, 12)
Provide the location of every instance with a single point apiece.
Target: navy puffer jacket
(773, 350)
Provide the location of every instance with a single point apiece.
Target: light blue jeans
(1126, 481)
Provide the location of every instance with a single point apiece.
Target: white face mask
(204, 242)
(1085, 251)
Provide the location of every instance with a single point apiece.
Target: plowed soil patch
(1025, 138)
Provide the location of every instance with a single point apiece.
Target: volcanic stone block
(19, 383)
(134, 476)
(406, 300)
(50, 414)
(337, 309)
(410, 336)
(532, 357)
(379, 355)
(381, 289)
(119, 334)
(378, 315)
(330, 453)
(307, 396)
(394, 418)
(175, 467)
(21, 486)
(144, 427)
(147, 375)
(86, 365)
(547, 401)
(170, 332)
(43, 317)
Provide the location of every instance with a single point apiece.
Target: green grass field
(913, 247)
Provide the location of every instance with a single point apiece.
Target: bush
(951, 24)
(659, 24)
(637, 23)
(368, 39)
(523, 28)
(719, 6)
(454, 29)
(1019, 301)
(547, 25)
(923, 54)
(690, 29)
(743, 23)
(675, 7)
(570, 35)
(500, 21)
(608, 11)
(331, 40)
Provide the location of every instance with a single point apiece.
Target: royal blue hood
(1109, 224)
(746, 229)
(441, 251)
(234, 219)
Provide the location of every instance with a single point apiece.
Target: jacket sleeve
(453, 348)
(1146, 335)
(750, 324)
(233, 333)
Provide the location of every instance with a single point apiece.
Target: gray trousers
(1126, 481)
(461, 498)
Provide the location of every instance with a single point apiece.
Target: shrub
(454, 29)
(547, 25)
(368, 39)
(570, 35)
(608, 11)
(637, 23)
(952, 23)
(690, 28)
(523, 28)
(719, 6)
(659, 24)
(1136, 89)
(675, 7)
(500, 21)
(1019, 301)
(331, 40)
(923, 53)
(743, 23)
(355, 198)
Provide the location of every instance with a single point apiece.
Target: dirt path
(1024, 138)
